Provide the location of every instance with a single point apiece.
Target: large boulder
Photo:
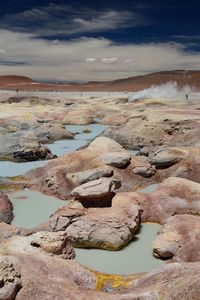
(6, 209)
(57, 243)
(23, 146)
(79, 116)
(179, 238)
(96, 188)
(109, 228)
(165, 158)
(143, 168)
(116, 159)
(47, 133)
(89, 175)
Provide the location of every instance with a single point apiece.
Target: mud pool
(32, 208)
(135, 258)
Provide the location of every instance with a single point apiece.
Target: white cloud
(2, 51)
(66, 20)
(25, 54)
(109, 60)
(90, 59)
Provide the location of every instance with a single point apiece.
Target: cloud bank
(88, 58)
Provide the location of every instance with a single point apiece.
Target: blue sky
(97, 40)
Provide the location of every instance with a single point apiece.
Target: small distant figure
(17, 90)
(186, 96)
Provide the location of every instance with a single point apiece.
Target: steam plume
(168, 90)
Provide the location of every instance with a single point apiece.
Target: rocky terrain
(148, 144)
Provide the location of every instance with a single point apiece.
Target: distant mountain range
(130, 84)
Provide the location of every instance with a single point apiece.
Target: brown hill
(130, 84)
(13, 79)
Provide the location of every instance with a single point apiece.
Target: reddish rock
(173, 196)
(106, 228)
(6, 209)
(165, 158)
(89, 175)
(10, 278)
(98, 192)
(116, 159)
(179, 238)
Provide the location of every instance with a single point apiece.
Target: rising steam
(168, 90)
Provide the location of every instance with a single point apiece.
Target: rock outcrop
(10, 278)
(23, 146)
(89, 175)
(6, 209)
(173, 196)
(154, 131)
(106, 228)
(96, 192)
(179, 238)
(59, 177)
(47, 133)
(116, 159)
(165, 158)
(143, 168)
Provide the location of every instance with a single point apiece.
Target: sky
(98, 40)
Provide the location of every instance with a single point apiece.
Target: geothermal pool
(137, 257)
(149, 189)
(81, 139)
(33, 208)
(9, 169)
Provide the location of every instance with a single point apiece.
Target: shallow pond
(135, 258)
(149, 189)
(9, 169)
(81, 138)
(33, 208)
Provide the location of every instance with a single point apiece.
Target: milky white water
(135, 258)
(33, 208)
